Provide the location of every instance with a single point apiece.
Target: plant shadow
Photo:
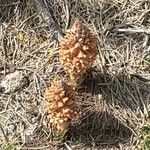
(109, 110)
(126, 91)
(99, 129)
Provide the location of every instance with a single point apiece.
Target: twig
(4, 50)
(5, 5)
(35, 148)
(48, 16)
(2, 130)
(67, 13)
(146, 41)
(134, 30)
(67, 146)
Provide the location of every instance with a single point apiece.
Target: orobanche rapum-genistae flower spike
(60, 105)
(78, 50)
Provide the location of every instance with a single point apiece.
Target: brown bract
(59, 105)
(78, 50)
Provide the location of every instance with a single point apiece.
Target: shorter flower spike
(59, 105)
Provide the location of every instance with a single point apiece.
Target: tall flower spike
(59, 105)
(78, 50)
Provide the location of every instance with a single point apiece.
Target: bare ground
(114, 100)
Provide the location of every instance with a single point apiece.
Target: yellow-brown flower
(59, 105)
(78, 50)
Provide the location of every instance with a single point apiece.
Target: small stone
(29, 131)
(11, 127)
(13, 82)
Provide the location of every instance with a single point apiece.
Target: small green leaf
(58, 136)
(7, 146)
(145, 129)
(147, 58)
